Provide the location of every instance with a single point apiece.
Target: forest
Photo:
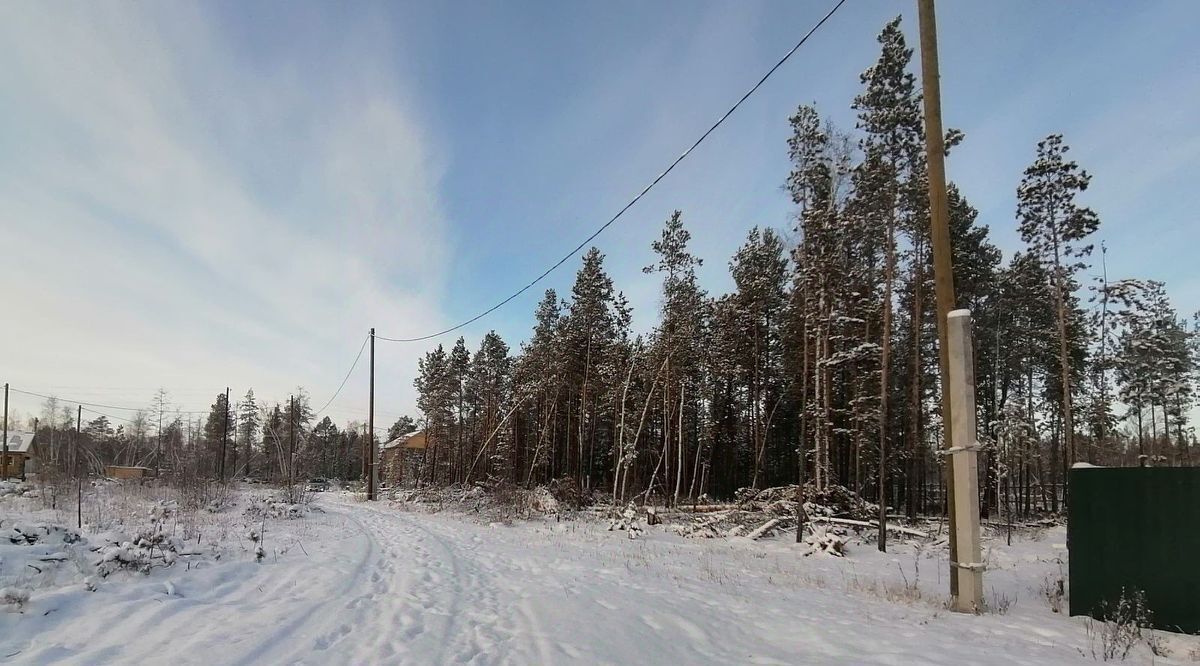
(822, 364)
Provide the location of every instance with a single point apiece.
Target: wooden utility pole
(371, 471)
(4, 455)
(291, 457)
(234, 462)
(943, 266)
(75, 468)
(967, 568)
(75, 442)
(158, 449)
(224, 435)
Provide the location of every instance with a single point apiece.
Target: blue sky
(213, 194)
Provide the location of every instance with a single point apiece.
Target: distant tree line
(270, 442)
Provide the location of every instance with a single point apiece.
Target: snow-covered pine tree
(248, 422)
(488, 383)
(588, 332)
(1023, 344)
(435, 400)
(889, 112)
(1055, 229)
(537, 372)
(214, 433)
(321, 449)
(759, 270)
(457, 374)
(679, 336)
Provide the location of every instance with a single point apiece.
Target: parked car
(317, 485)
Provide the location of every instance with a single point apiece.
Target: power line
(110, 416)
(344, 380)
(87, 404)
(639, 196)
(96, 404)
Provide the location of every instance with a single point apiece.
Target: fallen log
(707, 508)
(862, 523)
(764, 528)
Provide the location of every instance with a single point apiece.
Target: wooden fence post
(968, 570)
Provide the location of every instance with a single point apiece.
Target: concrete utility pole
(4, 455)
(371, 426)
(968, 567)
(943, 267)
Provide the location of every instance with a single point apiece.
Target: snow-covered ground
(359, 583)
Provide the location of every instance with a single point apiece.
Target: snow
(356, 582)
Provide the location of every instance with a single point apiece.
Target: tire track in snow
(440, 586)
(296, 624)
(451, 579)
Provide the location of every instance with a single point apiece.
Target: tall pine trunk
(885, 337)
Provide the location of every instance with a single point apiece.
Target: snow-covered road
(369, 583)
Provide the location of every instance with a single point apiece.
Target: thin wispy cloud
(152, 237)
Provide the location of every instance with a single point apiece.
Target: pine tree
(158, 406)
(274, 438)
(489, 384)
(588, 332)
(538, 373)
(249, 420)
(1054, 228)
(678, 336)
(759, 270)
(457, 374)
(822, 288)
(889, 111)
(214, 434)
(435, 400)
(321, 448)
(1022, 346)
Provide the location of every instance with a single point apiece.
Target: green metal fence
(1133, 529)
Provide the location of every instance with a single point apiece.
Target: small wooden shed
(20, 459)
(127, 472)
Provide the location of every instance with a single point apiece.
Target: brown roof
(411, 440)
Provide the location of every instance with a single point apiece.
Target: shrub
(1120, 626)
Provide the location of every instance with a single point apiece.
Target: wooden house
(22, 455)
(405, 451)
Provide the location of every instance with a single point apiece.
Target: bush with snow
(277, 509)
(541, 500)
(15, 597)
(12, 488)
(626, 519)
(142, 552)
(41, 533)
(824, 542)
